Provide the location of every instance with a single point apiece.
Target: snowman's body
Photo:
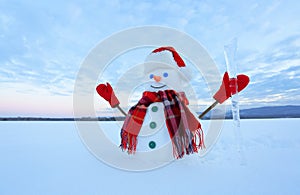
(154, 133)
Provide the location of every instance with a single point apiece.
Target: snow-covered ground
(50, 158)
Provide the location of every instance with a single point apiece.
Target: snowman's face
(165, 78)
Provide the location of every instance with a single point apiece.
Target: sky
(43, 45)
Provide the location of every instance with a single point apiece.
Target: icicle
(229, 52)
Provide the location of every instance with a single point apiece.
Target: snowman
(161, 115)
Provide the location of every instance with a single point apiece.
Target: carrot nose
(157, 78)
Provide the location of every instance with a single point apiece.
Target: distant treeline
(62, 119)
(252, 113)
(123, 118)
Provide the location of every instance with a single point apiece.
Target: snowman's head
(163, 69)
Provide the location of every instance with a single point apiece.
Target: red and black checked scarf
(184, 129)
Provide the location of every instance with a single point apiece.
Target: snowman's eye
(151, 76)
(165, 74)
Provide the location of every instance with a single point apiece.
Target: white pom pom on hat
(165, 56)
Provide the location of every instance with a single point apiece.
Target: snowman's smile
(158, 87)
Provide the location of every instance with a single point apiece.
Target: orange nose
(157, 78)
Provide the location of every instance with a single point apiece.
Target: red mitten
(224, 92)
(228, 87)
(242, 81)
(108, 94)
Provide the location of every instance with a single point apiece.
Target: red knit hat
(176, 57)
(166, 55)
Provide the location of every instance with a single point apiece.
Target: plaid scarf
(184, 129)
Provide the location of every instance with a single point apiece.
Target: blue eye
(165, 74)
(151, 76)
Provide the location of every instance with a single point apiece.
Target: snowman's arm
(207, 110)
(121, 110)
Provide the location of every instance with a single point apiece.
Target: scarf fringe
(199, 135)
(188, 144)
(181, 144)
(128, 142)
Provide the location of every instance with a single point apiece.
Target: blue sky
(42, 45)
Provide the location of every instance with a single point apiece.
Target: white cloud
(43, 43)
